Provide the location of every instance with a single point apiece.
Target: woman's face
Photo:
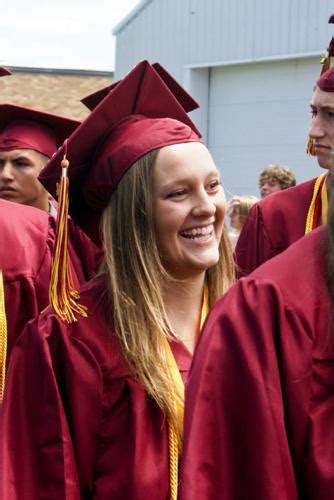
(188, 208)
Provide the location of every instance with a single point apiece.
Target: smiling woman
(112, 410)
(189, 208)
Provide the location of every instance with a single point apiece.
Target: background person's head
(321, 130)
(238, 210)
(275, 178)
(28, 138)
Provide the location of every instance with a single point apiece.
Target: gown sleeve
(37, 453)
(254, 246)
(247, 399)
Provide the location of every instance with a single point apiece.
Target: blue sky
(66, 34)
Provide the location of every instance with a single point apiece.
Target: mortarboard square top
(185, 99)
(25, 128)
(138, 115)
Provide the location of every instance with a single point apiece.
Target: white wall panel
(259, 114)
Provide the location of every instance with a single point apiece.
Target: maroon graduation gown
(260, 397)
(272, 225)
(84, 255)
(74, 411)
(27, 239)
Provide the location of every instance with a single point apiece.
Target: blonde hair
(245, 204)
(135, 271)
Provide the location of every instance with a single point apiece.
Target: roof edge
(60, 71)
(132, 14)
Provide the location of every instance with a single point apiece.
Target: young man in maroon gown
(28, 138)
(284, 217)
(27, 239)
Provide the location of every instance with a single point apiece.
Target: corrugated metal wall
(189, 32)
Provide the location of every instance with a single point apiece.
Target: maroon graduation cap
(185, 99)
(138, 115)
(25, 128)
(4, 71)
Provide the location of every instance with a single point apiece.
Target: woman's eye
(214, 184)
(176, 194)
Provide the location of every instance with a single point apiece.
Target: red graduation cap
(185, 99)
(138, 115)
(24, 128)
(326, 81)
(4, 71)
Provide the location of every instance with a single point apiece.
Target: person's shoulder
(17, 220)
(301, 269)
(27, 235)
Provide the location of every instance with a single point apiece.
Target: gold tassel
(310, 147)
(325, 62)
(3, 338)
(62, 294)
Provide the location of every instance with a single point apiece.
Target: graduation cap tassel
(326, 60)
(310, 147)
(325, 63)
(62, 294)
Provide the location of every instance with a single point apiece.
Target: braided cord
(3, 338)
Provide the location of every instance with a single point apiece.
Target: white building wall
(251, 64)
(206, 32)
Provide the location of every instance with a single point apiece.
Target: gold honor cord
(3, 338)
(320, 185)
(173, 447)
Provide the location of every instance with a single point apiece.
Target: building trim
(236, 62)
(132, 14)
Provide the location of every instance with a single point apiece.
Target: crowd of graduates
(140, 355)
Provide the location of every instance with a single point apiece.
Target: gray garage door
(259, 114)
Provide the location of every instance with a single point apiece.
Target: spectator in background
(239, 206)
(275, 178)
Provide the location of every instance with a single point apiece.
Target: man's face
(269, 185)
(19, 169)
(322, 127)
